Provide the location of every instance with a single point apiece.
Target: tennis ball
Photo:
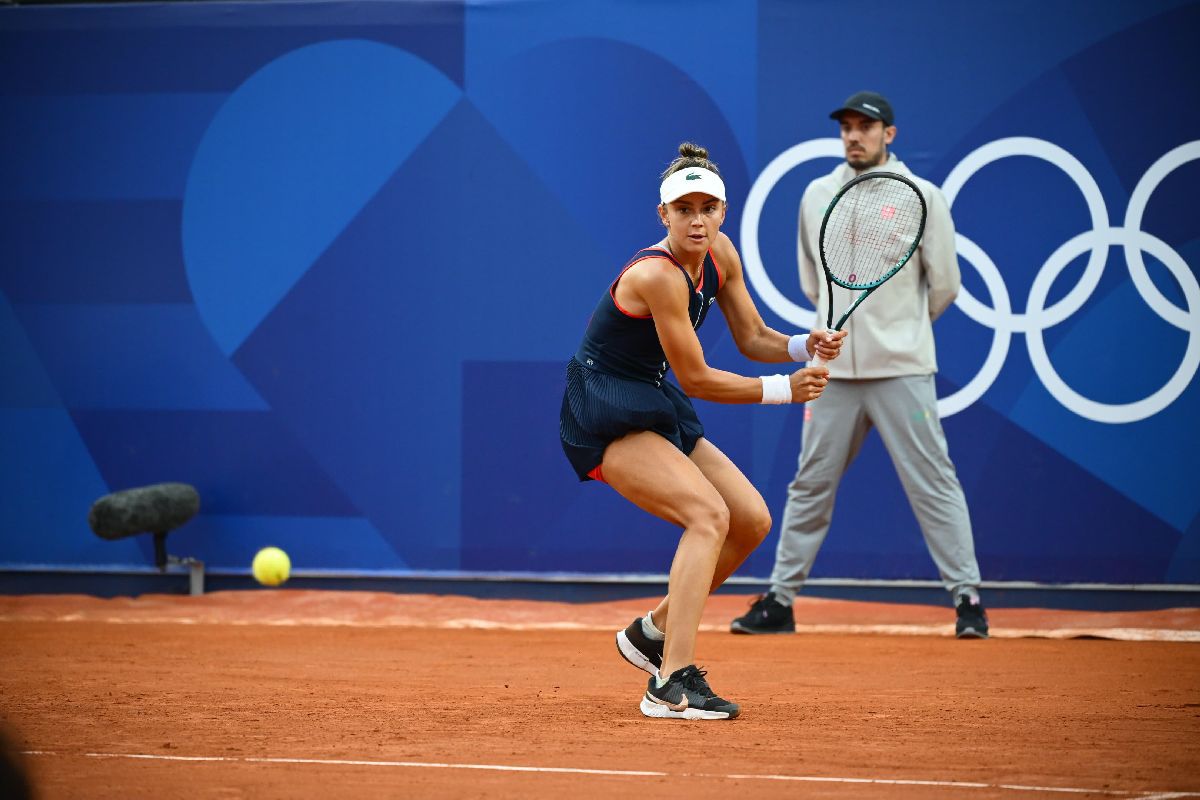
(271, 566)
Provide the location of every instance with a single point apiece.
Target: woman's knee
(761, 524)
(752, 525)
(710, 518)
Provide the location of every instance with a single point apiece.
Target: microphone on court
(157, 509)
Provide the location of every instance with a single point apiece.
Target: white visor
(693, 179)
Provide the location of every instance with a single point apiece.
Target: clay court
(329, 695)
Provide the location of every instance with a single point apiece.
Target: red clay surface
(358, 695)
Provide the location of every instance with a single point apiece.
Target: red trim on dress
(720, 274)
(597, 474)
(612, 290)
(675, 261)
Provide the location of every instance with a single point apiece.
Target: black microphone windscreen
(159, 508)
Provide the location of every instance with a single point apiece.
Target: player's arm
(939, 254)
(753, 337)
(658, 284)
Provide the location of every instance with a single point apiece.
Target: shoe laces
(764, 606)
(968, 609)
(694, 679)
(760, 603)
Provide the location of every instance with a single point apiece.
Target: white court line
(1142, 794)
(943, 630)
(498, 767)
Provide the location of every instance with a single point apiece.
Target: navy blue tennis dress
(616, 383)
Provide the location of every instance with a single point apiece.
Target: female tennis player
(625, 424)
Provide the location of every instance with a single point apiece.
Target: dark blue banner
(326, 263)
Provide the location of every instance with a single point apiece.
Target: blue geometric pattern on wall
(327, 261)
(292, 156)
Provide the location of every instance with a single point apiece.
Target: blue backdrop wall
(326, 260)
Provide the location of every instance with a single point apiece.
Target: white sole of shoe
(659, 711)
(633, 655)
(971, 633)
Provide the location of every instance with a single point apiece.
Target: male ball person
(884, 380)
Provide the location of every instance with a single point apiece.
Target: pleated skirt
(599, 408)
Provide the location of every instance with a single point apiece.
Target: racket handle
(816, 360)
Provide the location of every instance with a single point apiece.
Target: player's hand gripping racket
(870, 230)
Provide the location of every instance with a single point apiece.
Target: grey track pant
(904, 410)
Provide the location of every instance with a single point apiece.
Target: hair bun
(690, 155)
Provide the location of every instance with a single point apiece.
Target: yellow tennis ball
(271, 566)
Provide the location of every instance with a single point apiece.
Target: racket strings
(870, 231)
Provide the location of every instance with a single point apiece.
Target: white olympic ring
(756, 274)
(1037, 318)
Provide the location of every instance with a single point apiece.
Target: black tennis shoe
(972, 619)
(686, 695)
(639, 649)
(766, 615)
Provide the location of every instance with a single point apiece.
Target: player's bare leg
(749, 517)
(654, 475)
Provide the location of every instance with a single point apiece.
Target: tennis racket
(870, 230)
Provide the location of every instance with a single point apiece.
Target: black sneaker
(972, 619)
(686, 695)
(639, 649)
(766, 615)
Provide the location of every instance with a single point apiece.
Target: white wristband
(776, 389)
(798, 347)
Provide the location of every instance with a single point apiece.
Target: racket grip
(816, 361)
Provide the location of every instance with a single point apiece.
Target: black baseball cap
(871, 104)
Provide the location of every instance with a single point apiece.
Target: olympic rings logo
(1037, 317)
